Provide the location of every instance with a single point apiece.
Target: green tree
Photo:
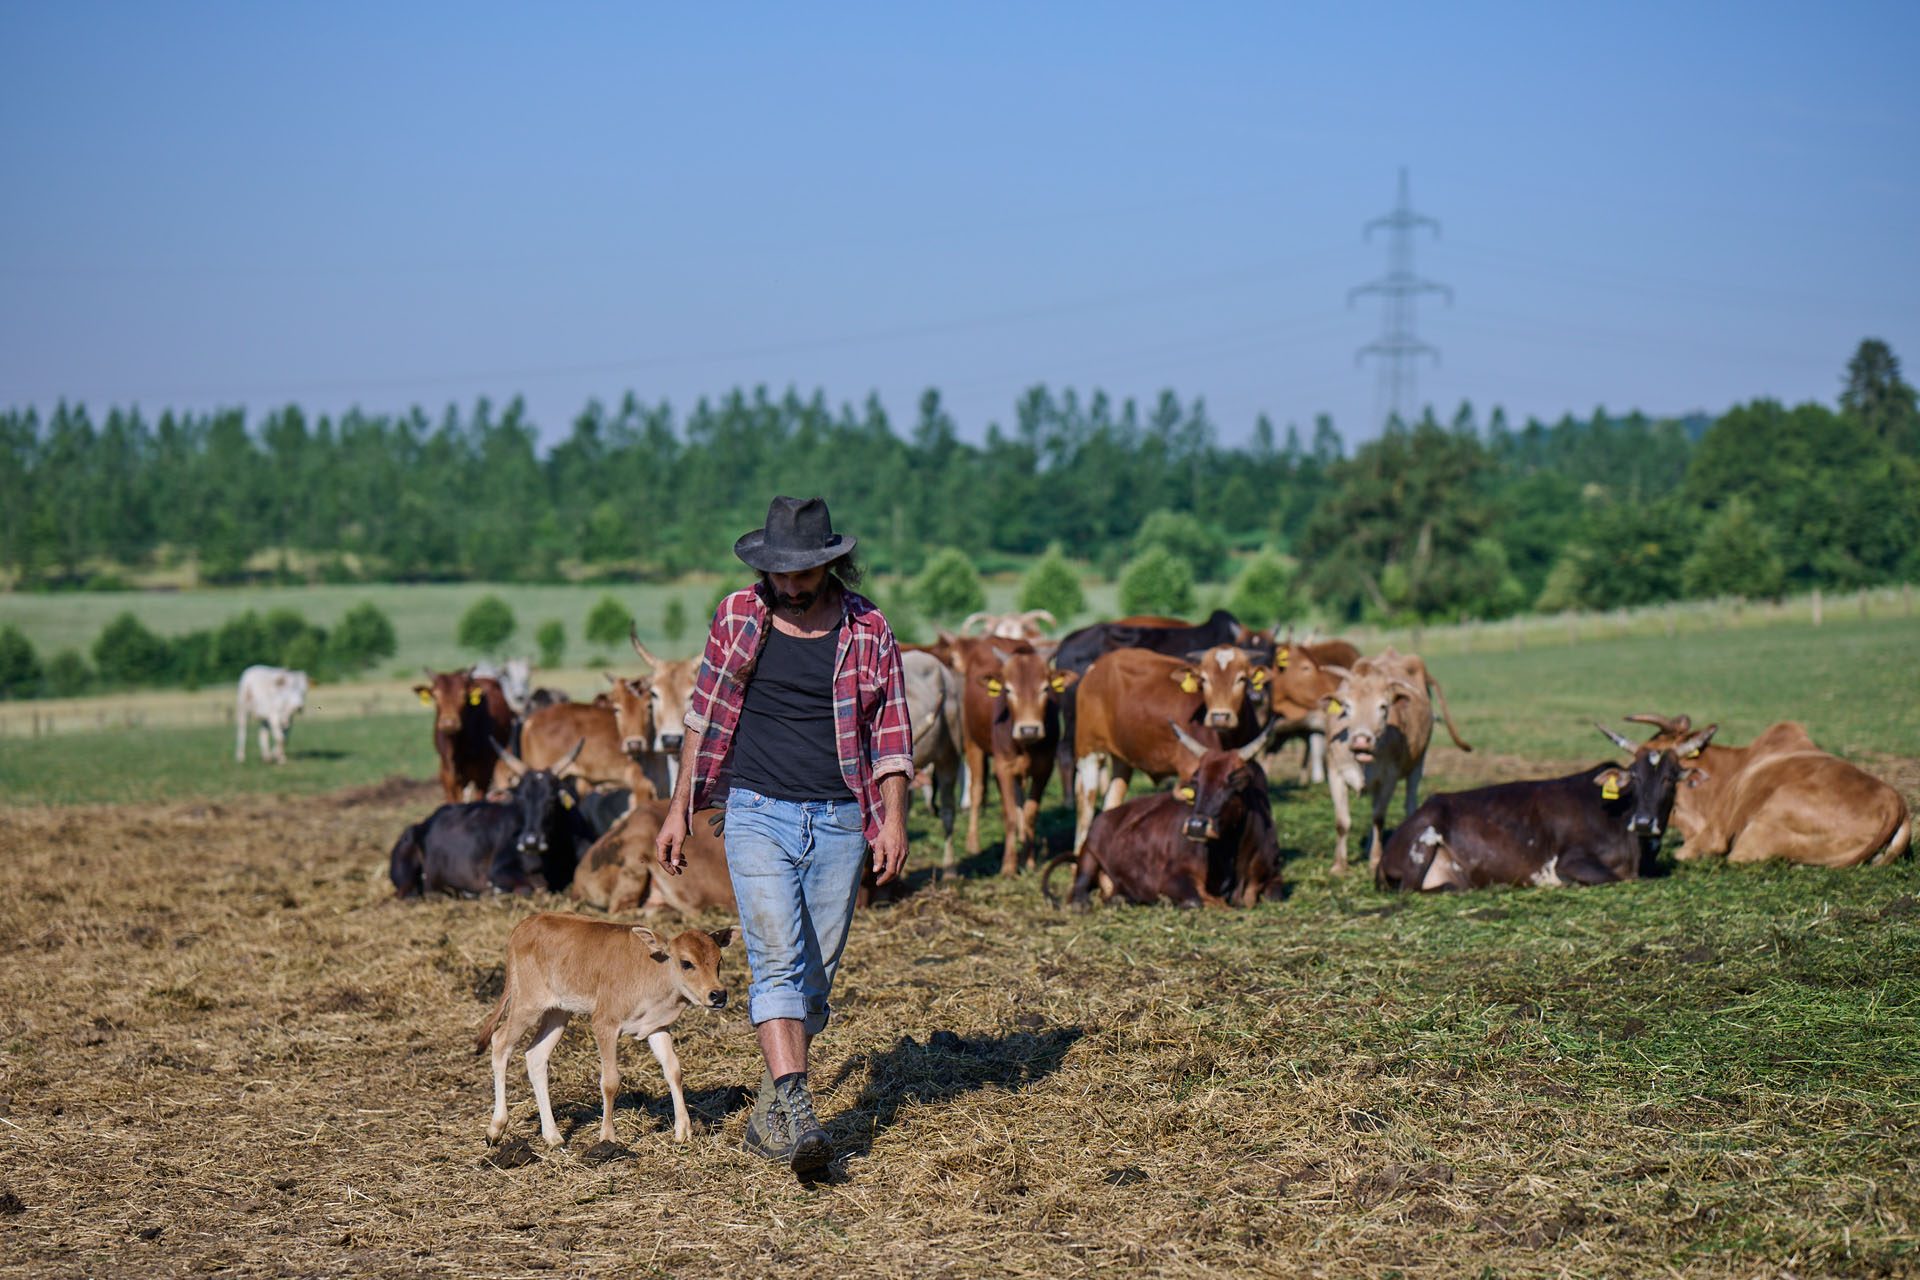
(673, 620)
(1263, 595)
(68, 675)
(1157, 581)
(127, 654)
(949, 587)
(1880, 399)
(365, 635)
(486, 626)
(608, 623)
(20, 673)
(1051, 584)
(1735, 556)
(552, 641)
(1186, 537)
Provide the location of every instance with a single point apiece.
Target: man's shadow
(942, 1069)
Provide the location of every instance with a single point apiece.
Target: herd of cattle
(545, 792)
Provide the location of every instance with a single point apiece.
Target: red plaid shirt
(869, 700)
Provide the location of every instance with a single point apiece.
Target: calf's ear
(721, 937)
(655, 948)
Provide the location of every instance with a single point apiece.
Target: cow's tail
(407, 866)
(1046, 875)
(485, 1039)
(1897, 844)
(1440, 696)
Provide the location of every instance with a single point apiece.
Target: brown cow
(620, 872)
(470, 716)
(671, 685)
(1295, 692)
(1379, 722)
(1780, 796)
(624, 978)
(1209, 842)
(1010, 718)
(608, 732)
(1126, 707)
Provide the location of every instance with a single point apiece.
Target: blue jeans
(795, 866)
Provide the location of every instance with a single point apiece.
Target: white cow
(273, 696)
(516, 680)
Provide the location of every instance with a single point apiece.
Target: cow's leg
(1084, 874)
(944, 778)
(607, 1036)
(1413, 785)
(266, 742)
(240, 732)
(552, 1023)
(1376, 830)
(1342, 823)
(1041, 770)
(1117, 788)
(976, 794)
(1316, 757)
(1090, 779)
(661, 1042)
(1011, 814)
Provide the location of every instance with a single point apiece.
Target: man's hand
(670, 844)
(890, 850)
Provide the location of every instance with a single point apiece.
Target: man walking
(798, 724)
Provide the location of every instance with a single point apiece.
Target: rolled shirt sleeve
(892, 740)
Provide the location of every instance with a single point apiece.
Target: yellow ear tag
(566, 801)
(1691, 754)
(1059, 683)
(473, 697)
(426, 699)
(1188, 684)
(1610, 786)
(1260, 678)
(1280, 660)
(995, 688)
(1187, 794)
(1333, 705)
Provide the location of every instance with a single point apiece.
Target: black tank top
(785, 746)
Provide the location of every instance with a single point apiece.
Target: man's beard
(796, 603)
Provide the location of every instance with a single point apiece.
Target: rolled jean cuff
(787, 1004)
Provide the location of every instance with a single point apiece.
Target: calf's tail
(1897, 845)
(485, 1039)
(1440, 696)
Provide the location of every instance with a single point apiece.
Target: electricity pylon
(1398, 347)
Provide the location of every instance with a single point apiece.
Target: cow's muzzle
(634, 746)
(535, 844)
(1029, 731)
(671, 741)
(717, 999)
(1200, 830)
(1641, 825)
(1362, 747)
(1222, 719)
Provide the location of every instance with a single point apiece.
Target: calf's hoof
(551, 1137)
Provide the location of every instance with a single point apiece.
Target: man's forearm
(683, 787)
(893, 793)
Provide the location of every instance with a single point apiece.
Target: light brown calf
(624, 978)
(1379, 722)
(620, 873)
(1780, 796)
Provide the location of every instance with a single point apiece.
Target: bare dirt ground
(225, 1048)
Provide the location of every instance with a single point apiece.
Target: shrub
(487, 625)
(126, 653)
(68, 675)
(241, 642)
(1182, 534)
(552, 640)
(1263, 595)
(1053, 585)
(365, 635)
(608, 623)
(949, 588)
(1157, 582)
(673, 622)
(1735, 556)
(21, 675)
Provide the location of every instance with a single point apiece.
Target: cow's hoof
(552, 1139)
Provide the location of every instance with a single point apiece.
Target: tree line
(1466, 516)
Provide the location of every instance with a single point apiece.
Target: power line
(1398, 347)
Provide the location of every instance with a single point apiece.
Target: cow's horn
(1187, 740)
(966, 623)
(1619, 740)
(1259, 742)
(429, 672)
(633, 636)
(568, 759)
(1034, 614)
(1697, 741)
(1679, 724)
(513, 762)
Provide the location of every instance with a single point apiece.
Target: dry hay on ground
(228, 1049)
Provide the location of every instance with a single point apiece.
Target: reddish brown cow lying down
(621, 871)
(626, 980)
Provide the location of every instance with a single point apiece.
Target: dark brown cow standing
(470, 716)
(1209, 842)
(1009, 717)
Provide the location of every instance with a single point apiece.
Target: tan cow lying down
(1379, 722)
(625, 979)
(621, 873)
(1780, 796)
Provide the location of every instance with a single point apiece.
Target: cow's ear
(1331, 704)
(721, 937)
(1186, 792)
(1612, 782)
(655, 948)
(1061, 681)
(1187, 678)
(475, 697)
(1694, 777)
(566, 799)
(424, 694)
(1260, 677)
(995, 686)
(1281, 657)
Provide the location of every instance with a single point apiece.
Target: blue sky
(1669, 207)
